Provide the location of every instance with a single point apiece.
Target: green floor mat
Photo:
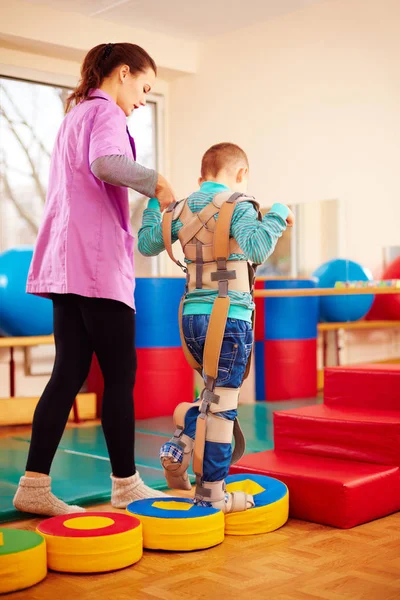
(90, 441)
(77, 479)
(81, 469)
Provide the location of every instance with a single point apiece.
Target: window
(30, 116)
(282, 262)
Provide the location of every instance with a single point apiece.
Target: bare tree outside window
(30, 116)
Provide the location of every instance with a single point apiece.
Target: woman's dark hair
(101, 61)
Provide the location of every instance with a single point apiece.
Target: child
(220, 230)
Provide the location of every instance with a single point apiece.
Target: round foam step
(177, 524)
(23, 560)
(271, 508)
(92, 542)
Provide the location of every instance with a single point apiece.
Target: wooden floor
(301, 561)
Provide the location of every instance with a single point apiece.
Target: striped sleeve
(150, 239)
(257, 238)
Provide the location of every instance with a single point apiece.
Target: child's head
(126, 70)
(225, 163)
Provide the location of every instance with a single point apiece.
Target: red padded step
(329, 491)
(348, 434)
(363, 386)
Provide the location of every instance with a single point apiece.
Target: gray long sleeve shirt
(120, 170)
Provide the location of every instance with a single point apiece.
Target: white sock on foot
(34, 496)
(128, 489)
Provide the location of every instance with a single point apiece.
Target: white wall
(313, 97)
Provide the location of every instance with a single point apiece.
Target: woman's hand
(164, 193)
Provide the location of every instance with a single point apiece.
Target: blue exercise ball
(342, 308)
(21, 314)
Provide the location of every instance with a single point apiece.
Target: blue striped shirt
(256, 238)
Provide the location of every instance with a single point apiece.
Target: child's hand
(164, 193)
(290, 219)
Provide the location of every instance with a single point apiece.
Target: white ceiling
(195, 19)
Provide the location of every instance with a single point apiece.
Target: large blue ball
(21, 313)
(342, 308)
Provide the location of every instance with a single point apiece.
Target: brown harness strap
(223, 227)
(215, 336)
(188, 355)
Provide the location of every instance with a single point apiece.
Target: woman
(83, 261)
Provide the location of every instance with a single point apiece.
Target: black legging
(83, 326)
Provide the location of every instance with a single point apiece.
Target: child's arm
(150, 239)
(256, 238)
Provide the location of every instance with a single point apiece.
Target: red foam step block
(348, 434)
(364, 386)
(290, 369)
(163, 380)
(329, 491)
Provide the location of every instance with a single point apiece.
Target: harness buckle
(172, 206)
(207, 398)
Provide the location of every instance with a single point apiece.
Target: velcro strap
(223, 274)
(239, 501)
(238, 284)
(228, 399)
(210, 491)
(207, 397)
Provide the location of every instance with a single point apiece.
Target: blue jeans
(235, 351)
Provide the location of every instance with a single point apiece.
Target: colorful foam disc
(271, 508)
(23, 561)
(177, 524)
(92, 542)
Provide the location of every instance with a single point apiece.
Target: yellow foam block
(271, 510)
(177, 524)
(23, 561)
(92, 542)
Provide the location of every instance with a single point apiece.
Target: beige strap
(186, 213)
(195, 223)
(180, 412)
(239, 501)
(215, 335)
(228, 399)
(219, 430)
(178, 210)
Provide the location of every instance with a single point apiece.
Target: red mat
(363, 386)
(290, 369)
(349, 434)
(329, 491)
(163, 380)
